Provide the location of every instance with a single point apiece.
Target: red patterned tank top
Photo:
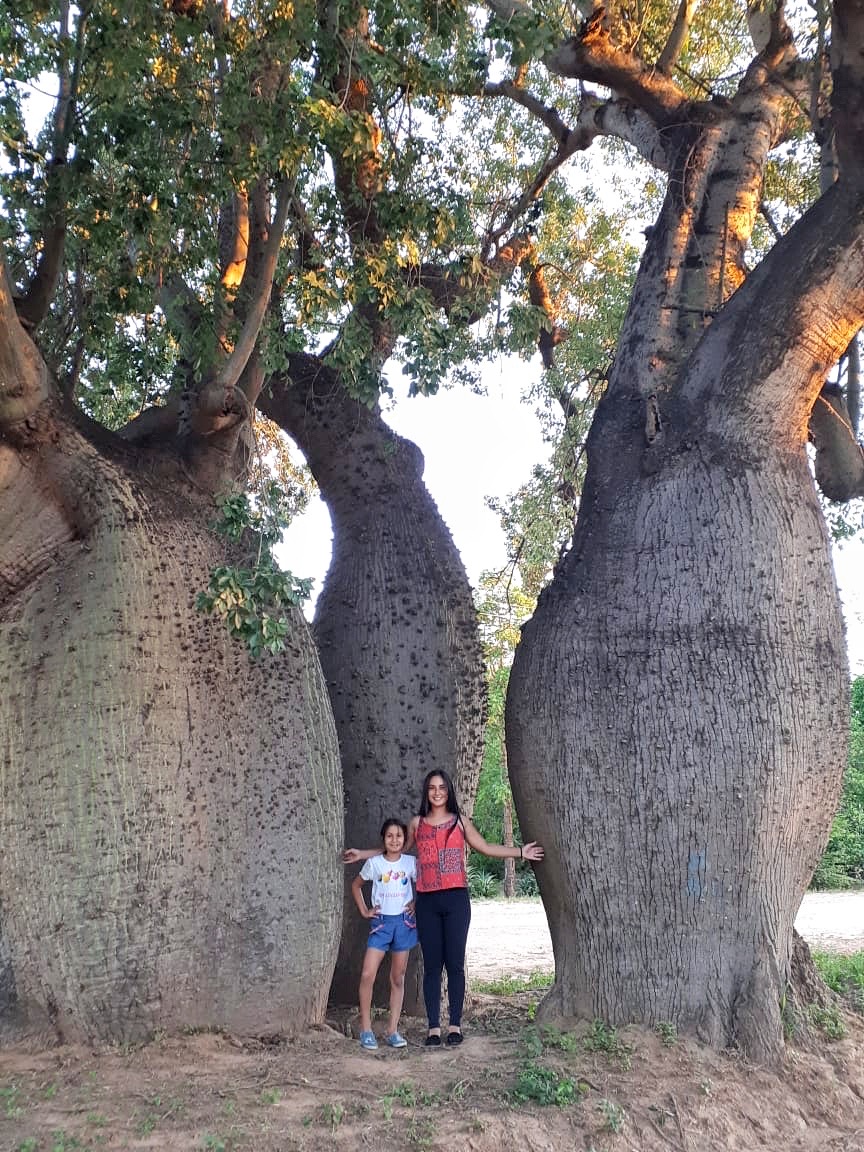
(440, 856)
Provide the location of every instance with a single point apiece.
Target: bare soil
(638, 1092)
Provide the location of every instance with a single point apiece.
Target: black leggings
(442, 926)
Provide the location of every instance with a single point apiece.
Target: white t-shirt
(391, 882)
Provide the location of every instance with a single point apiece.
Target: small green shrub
(828, 1021)
(526, 883)
(602, 1037)
(613, 1115)
(844, 975)
(667, 1032)
(482, 884)
(542, 1085)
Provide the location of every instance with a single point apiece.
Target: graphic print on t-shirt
(391, 882)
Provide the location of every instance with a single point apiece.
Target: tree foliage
(843, 861)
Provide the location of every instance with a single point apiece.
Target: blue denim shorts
(393, 933)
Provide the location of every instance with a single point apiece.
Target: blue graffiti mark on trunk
(696, 873)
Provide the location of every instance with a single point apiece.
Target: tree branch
(853, 384)
(839, 463)
(34, 305)
(23, 374)
(552, 335)
(592, 56)
(677, 37)
(256, 304)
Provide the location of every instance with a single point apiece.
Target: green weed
(31, 1144)
(421, 1132)
(10, 1099)
(602, 1037)
(667, 1032)
(270, 1095)
(844, 975)
(542, 1085)
(563, 1041)
(613, 1115)
(332, 1114)
(828, 1021)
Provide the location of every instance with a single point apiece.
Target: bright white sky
(478, 446)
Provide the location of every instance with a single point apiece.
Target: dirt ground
(511, 1085)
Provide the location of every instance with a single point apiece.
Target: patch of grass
(613, 1115)
(421, 1132)
(602, 1037)
(563, 1041)
(62, 1142)
(510, 985)
(844, 975)
(667, 1032)
(11, 1100)
(270, 1095)
(332, 1114)
(828, 1021)
(31, 1144)
(541, 1085)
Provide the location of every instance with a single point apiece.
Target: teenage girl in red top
(442, 907)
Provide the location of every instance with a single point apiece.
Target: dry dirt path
(511, 936)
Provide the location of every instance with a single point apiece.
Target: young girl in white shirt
(393, 928)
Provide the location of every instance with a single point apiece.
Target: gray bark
(677, 712)
(395, 626)
(170, 817)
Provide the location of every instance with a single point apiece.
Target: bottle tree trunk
(677, 712)
(395, 626)
(170, 816)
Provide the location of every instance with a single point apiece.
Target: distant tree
(843, 861)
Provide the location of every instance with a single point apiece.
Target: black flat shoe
(433, 1041)
(454, 1038)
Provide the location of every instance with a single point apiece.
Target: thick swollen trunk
(676, 726)
(396, 631)
(170, 815)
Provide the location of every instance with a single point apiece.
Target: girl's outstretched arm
(355, 855)
(532, 851)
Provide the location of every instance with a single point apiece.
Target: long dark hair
(452, 802)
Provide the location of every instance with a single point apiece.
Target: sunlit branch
(677, 37)
(551, 335)
(593, 57)
(256, 304)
